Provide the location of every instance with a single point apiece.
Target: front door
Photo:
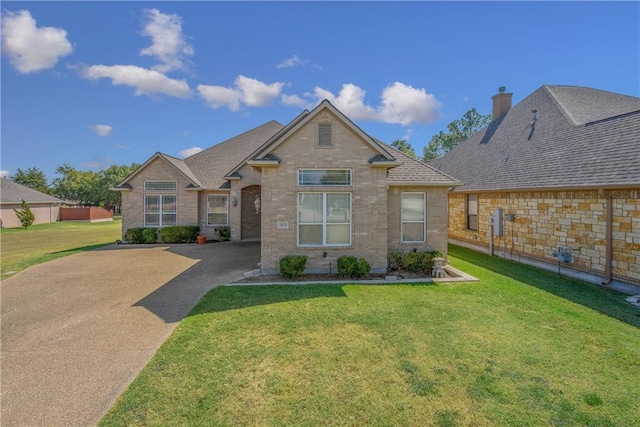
(250, 213)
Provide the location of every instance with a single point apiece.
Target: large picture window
(324, 219)
(217, 209)
(326, 177)
(472, 212)
(413, 217)
(159, 210)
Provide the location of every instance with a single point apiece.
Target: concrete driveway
(77, 331)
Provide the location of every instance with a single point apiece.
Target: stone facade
(545, 220)
(159, 170)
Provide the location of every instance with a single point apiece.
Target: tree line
(86, 188)
(441, 143)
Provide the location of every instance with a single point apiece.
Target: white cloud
(189, 152)
(465, 99)
(102, 130)
(399, 103)
(248, 91)
(408, 134)
(31, 48)
(5, 174)
(404, 104)
(168, 46)
(123, 147)
(146, 82)
(292, 62)
(219, 96)
(99, 163)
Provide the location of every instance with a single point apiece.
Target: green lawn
(22, 248)
(522, 347)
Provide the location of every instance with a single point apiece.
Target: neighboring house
(564, 166)
(318, 186)
(45, 208)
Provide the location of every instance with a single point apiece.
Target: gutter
(608, 276)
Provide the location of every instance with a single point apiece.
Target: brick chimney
(501, 102)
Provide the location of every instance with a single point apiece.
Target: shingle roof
(211, 165)
(12, 193)
(415, 171)
(582, 137)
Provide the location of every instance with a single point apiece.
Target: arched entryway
(250, 226)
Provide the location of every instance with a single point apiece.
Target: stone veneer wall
(280, 190)
(546, 220)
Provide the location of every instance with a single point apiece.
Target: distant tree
(459, 130)
(26, 217)
(75, 185)
(32, 178)
(109, 178)
(404, 146)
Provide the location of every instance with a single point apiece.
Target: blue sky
(101, 83)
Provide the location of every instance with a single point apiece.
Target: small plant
(415, 261)
(224, 233)
(179, 234)
(350, 266)
(26, 217)
(139, 235)
(292, 266)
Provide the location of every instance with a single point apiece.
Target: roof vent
(501, 102)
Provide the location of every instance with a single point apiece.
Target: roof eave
(386, 164)
(586, 187)
(424, 184)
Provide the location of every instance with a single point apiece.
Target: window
(325, 135)
(159, 210)
(324, 219)
(328, 177)
(217, 209)
(472, 212)
(160, 186)
(413, 217)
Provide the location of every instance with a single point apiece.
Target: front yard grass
(522, 347)
(22, 248)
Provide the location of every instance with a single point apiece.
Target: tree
(404, 146)
(459, 130)
(109, 178)
(32, 178)
(26, 217)
(75, 185)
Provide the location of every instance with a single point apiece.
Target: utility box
(497, 222)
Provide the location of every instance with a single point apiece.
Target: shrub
(138, 235)
(224, 233)
(179, 234)
(292, 266)
(26, 217)
(350, 266)
(415, 261)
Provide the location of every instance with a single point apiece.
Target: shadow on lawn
(80, 249)
(605, 301)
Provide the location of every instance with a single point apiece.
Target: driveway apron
(76, 331)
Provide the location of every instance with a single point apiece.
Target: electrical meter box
(497, 222)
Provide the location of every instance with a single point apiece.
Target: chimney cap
(502, 89)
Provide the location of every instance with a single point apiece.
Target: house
(45, 208)
(563, 166)
(319, 187)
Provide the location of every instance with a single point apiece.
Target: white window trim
(160, 211)
(350, 184)
(424, 219)
(324, 220)
(175, 189)
(226, 196)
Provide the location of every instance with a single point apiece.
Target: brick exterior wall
(369, 198)
(436, 208)
(546, 220)
(158, 170)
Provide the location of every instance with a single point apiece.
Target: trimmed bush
(224, 233)
(415, 261)
(292, 266)
(350, 266)
(139, 235)
(179, 234)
